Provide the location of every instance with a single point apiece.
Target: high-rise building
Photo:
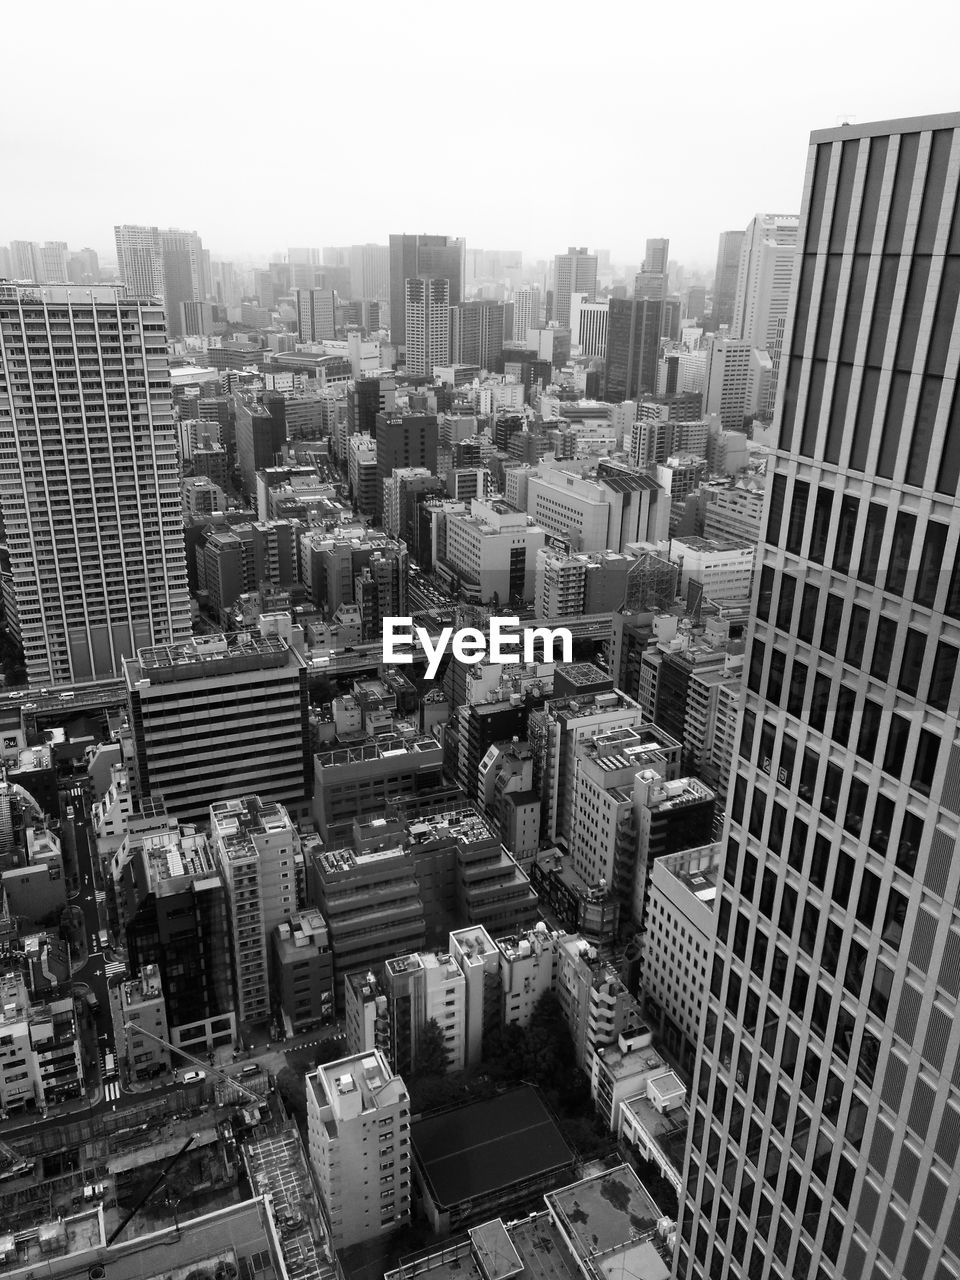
(427, 326)
(651, 279)
(573, 272)
(826, 1129)
(255, 845)
(90, 494)
(370, 271)
(316, 314)
(527, 304)
(40, 263)
(140, 260)
(476, 334)
(358, 1127)
(764, 283)
(725, 278)
(633, 347)
(422, 258)
(404, 440)
(183, 277)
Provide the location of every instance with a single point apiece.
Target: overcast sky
(517, 125)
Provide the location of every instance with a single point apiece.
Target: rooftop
(382, 747)
(39, 1245)
(277, 1166)
(201, 655)
(487, 1147)
(238, 821)
(357, 1084)
(611, 1222)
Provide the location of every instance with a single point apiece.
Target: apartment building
(358, 1135)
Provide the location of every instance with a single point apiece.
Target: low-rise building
(40, 1056)
(142, 1004)
(528, 966)
(302, 965)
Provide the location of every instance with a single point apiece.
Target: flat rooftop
(487, 1147)
(611, 1221)
(42, 1244)
(542, 1249)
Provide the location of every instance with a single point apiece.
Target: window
(807, 621)
(912, 663)
(846, 534)
(798, 515)
(857, 636)
(832, 620)
(821, 524)
(883, 649)
(872, 540)
(941, 679)
(870, 719)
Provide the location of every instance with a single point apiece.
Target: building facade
(90, 495)
(826, 1127)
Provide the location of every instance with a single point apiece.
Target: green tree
(432, 1057)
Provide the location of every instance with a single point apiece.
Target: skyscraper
(764, 281)
(633, 347)
(370, 271)
(526, 311)
(183, 275)
(651, 279)
(90, 493)
(725, 278)
(140, 260)
(573, 272)
(476, 333)
(39, 263)
(826, 1129)
(422, 258)
(427, 324)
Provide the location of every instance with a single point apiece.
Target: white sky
(519, 124)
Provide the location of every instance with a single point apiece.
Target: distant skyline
(514, 126)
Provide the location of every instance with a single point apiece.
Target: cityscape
(480, 741)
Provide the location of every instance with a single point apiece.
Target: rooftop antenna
(846, 120)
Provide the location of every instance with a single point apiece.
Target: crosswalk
(111, 1091)
(100, 896)
(113, 967)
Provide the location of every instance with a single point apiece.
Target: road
(100, 965)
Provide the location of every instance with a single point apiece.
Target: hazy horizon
(511, 127)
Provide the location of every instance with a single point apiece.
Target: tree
(432, 1057)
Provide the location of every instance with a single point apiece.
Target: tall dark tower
(825, 1136)
(422, 258)
(725, 278)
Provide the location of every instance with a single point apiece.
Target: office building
(260, 437)
(476, 334)
(367, 397)
(358, 1133)
(588, 327)
(764, 289)
(88, 432)
(427, 325)
(676, 946)
(633, 348)
(573, 272)
(651, 279)
(302, 967)
(255, 846)
(414, 257)
(370, 271)
(592, 513)
(220, 716)
(362, 472)
(713, 568)
(371, 903)
(316, 314)
(492, 552)
(725, 279)
(173, 913)
(184, 278)
(738, 376)
(404, 440)
(142, 1003)
(359, 780)
(826, 1130)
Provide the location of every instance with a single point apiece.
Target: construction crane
(204, 1066)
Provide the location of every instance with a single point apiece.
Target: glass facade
(825, 1131)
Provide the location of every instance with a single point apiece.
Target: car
(194, 1077)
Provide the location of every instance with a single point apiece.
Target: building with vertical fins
(90, 484)
(825, 1130)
